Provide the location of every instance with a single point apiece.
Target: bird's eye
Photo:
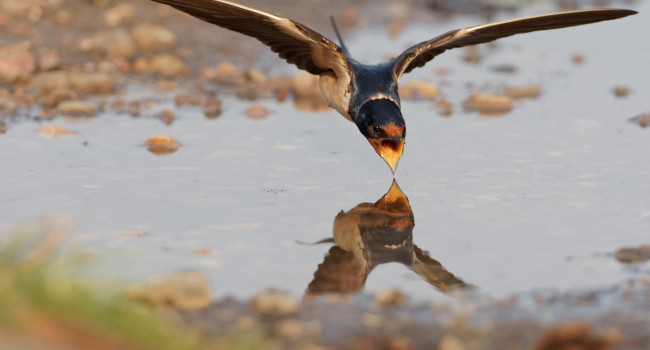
(375, 128)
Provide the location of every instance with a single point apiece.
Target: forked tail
(338, 36)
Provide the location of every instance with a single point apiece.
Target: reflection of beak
(390, 149)
(395, 201)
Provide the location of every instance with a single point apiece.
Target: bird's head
(381, 122)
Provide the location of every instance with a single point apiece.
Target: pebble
(77, 108)
(444, 107)
(3, 127)
(212, 107)
(63, 17)
(419, 89)
(633, 255)
(450, 342)
(48, 59)
(168, 65)
(188, 100)
(523, 91)
(257, 112)
(166, 116)
(489, 104)
(55, 131)
(620, 91)
(119, 14)
(289, 329)
(93, 82)
(224, 73)
(578, 58)
(141, 65)
(152, 36)
(275, 303)
(642, 119)
(114, 43)
(571, 335)
(306, 92)
(17, 62)
(255, 76)
(472, 54)
(161, 144)
(390, 298)
(189, 291)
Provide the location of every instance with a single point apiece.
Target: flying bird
(367, 94)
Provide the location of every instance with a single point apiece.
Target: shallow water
(523, 201)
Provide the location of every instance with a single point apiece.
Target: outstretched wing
(418, 55)
(294, 42)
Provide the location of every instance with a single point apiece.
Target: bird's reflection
(371, 234)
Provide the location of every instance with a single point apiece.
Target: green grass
(37, 294)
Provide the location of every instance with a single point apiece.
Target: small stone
(63, 17)
(212, 107)
(620, 91)
(444, 107)
(166, 116)
(55, 131)
(224, 73)
(280, 87)
(46, 82)
(152, 36)
(141, 65)
(188, 291)
(133, 233)
(489, 104)
(161, 144)
(92, 82)
(642, 119)
(188, 100)
(419, 89)
(306, 92)
(289, 329)
(578, 58)
(202, 251)
(450, 342)
(115, 43)
(119, 14)
(48, 59)
(168, 65)
(371, 320)
(505, 68)
(54, 97)
(134, 108)
(633, 255)
(275, 303)
(17, 62)
(395, 27)
(255, 76)
(571, 335)
(524, 91)
(3, 127)
(390, 298)
(257, 112)
(472, 54)
(350, 15)
(77, 108)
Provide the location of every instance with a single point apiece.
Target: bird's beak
(390, 149)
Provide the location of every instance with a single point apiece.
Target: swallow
(367, 95)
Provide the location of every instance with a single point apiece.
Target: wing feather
(294, 42)
(418, 55)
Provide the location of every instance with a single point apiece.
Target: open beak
(390, 149)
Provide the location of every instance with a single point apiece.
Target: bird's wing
(418, 55)
(294, 42)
